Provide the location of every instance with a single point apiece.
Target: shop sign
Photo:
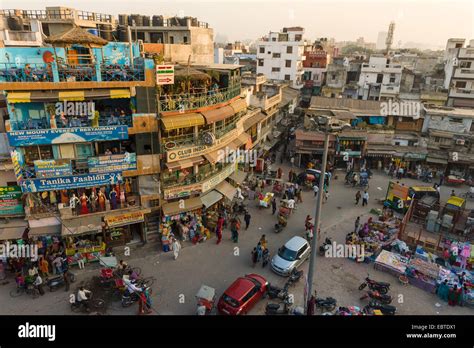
(415, 156)
(10, 200)
(165, 74)
(48, 168)
(71, 182)
(189, 152)
(112, 163)
(17, 160)
(217, 179)
(124, 219)
(66, 135)
(181, 191)
(350, 153)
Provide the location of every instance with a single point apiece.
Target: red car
(242, 295)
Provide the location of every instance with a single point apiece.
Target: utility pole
(317, 218)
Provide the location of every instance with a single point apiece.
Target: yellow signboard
(125, 219)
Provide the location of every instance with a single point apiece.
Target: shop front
(124, 228)
(378, 158)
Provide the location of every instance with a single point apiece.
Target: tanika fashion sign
(66, 135)
(71, 182)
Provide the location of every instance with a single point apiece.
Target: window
(379, 78)
(333, 77)
(465, 64)
(276, 55)
(171, 39)
(249, 295)
(185, 39)
(287, 77)
(461, 84)
(34, 153)
(289, 49)
(298, 37)
(84, 150)
(288, 63)
(262, 49)
(274, 39)
(302, 250)
(275, 69)
(260, 62)
(392, 78)
(455, 120)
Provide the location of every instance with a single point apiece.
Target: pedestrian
(454, 296)
(453, 193)
(307, 222)
(176, 248)
(265, 257)
(279, 173)
(38, 283)
(365, 198)
(315, 190)
(358, 195)
(2, 271)
(443, 290)
(326, 195)
(357, 224)
(263, 242)
(234, 229)
(290, 175)
(441, 178)
(292, 160)
(291, 204)
(247, 217)
(274, 206)
(220, 224)
(66, 280)
(259, 251)
(254, 256)
(43, 266)
(299, 197)
(79, 259)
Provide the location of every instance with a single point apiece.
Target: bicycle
(96, 304)
(27, 289)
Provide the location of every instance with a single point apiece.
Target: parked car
(291, 256)
(242, 295)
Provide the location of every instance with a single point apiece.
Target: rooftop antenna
(389, 39)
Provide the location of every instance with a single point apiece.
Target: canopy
(170, 209)
(218, 114)
(13, 229)
(182, 121)
(45, 226)
(239, 105)
(211, 198)
(238, 176)
(77, 36)
(186, 163)
(226, 189)
(193, 74)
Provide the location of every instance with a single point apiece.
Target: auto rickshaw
(455, 207)
(205, 297)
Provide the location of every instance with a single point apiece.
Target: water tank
(123, 19)
(157, 21)
(105, 31)
(123, 33)
(194, 22)
(137, 18)
(146, 21)
(15, 23)
(93, 31)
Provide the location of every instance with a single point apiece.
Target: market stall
(392, 263)
(422, 274)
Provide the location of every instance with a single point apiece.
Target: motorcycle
(239, 208)
(277, 292)
(284, 308)
(327, 304)
(80, 306)
(375, 295)
(58, 281)
(384, 308)
(278, 228)
(326, 244)
(129, 298)
(381, 287)
(295, 276)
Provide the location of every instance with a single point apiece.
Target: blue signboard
(66, 135)
(103, 164)
(47, 168)
(71, 182)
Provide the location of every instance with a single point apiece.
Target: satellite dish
(48, 57)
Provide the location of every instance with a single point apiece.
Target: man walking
(365, 198)
(247, 217)
(315, 190)
(274, 206)
(176, 248)
(357, 224)
(358, 195)
(220, 225)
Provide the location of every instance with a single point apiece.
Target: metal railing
(73, 73)
(58, 14)
(31, 72)
(115, 72)
(189, 101)
(205, 172)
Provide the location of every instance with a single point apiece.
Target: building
(314, 67)
(280, 56)
(82, 155)
(381, 37)
(379, 79)
(459, 73)
(218, 55)
(336, 77)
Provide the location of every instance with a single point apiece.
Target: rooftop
(447, 111)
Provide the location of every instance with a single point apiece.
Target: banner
(103, 164)
(48, 168)
(10, 201)
(66, 135)
(71, 182)
(125, 219)
(17, 160)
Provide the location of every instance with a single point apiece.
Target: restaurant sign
(125, 219)
(71, 182)
(66, 135)
(10, 200)
(103, 164)
(18, 162)
(182, 191)
(49, 168)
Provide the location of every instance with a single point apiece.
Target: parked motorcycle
(322, 249)
(327, 304)
(386, 309)
(283, 308)
(278, 228)
(385, 299)
(58, 281)
(295, 276)
(381, 287)
(277, 292)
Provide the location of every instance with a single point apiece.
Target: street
(177, 281)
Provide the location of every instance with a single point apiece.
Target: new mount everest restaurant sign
(66, 135)
(71, 182)
(103, 164)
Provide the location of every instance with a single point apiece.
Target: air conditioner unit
(460, 141)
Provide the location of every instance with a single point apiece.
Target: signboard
(104, 164)
(182, 191)
(10, 201)
(17, 160)
(125, 219)
(165, 74)
(71, 182)
(49, 168)
(66, 135)
(217, 179)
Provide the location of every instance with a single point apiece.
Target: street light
(328, 126)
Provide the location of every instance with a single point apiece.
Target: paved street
(218, 265)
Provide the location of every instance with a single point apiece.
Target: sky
(430, 22)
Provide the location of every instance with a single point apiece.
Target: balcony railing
(34, 72)
(58, 14)
(204, 173)
(190, 101)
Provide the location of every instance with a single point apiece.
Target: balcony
(390, 89)
(464, 73)
(265, 101)
(461, 92)
(192, 101)
(466, 53)
(21, 38)
(60, 14)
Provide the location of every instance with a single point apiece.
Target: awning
(45, 226)
(72, 95)
(219, 114)
(254, 120)
(170, 209)
(119, 93)
(436, 160)
(239, 105)
(19, 97)
(380, 153)
(213, 156)
(87, 224)
(13, 229)
(186, 163)
(226, 189)
(242, 139)
(238, 176)
(211, 198)
(182, 121)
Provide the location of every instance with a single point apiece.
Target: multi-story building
(459, 73)
(86, 161)
(314, 67)
(336, 77)
(280, 56)
(379, 79)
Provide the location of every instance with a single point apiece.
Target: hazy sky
(429, 21)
